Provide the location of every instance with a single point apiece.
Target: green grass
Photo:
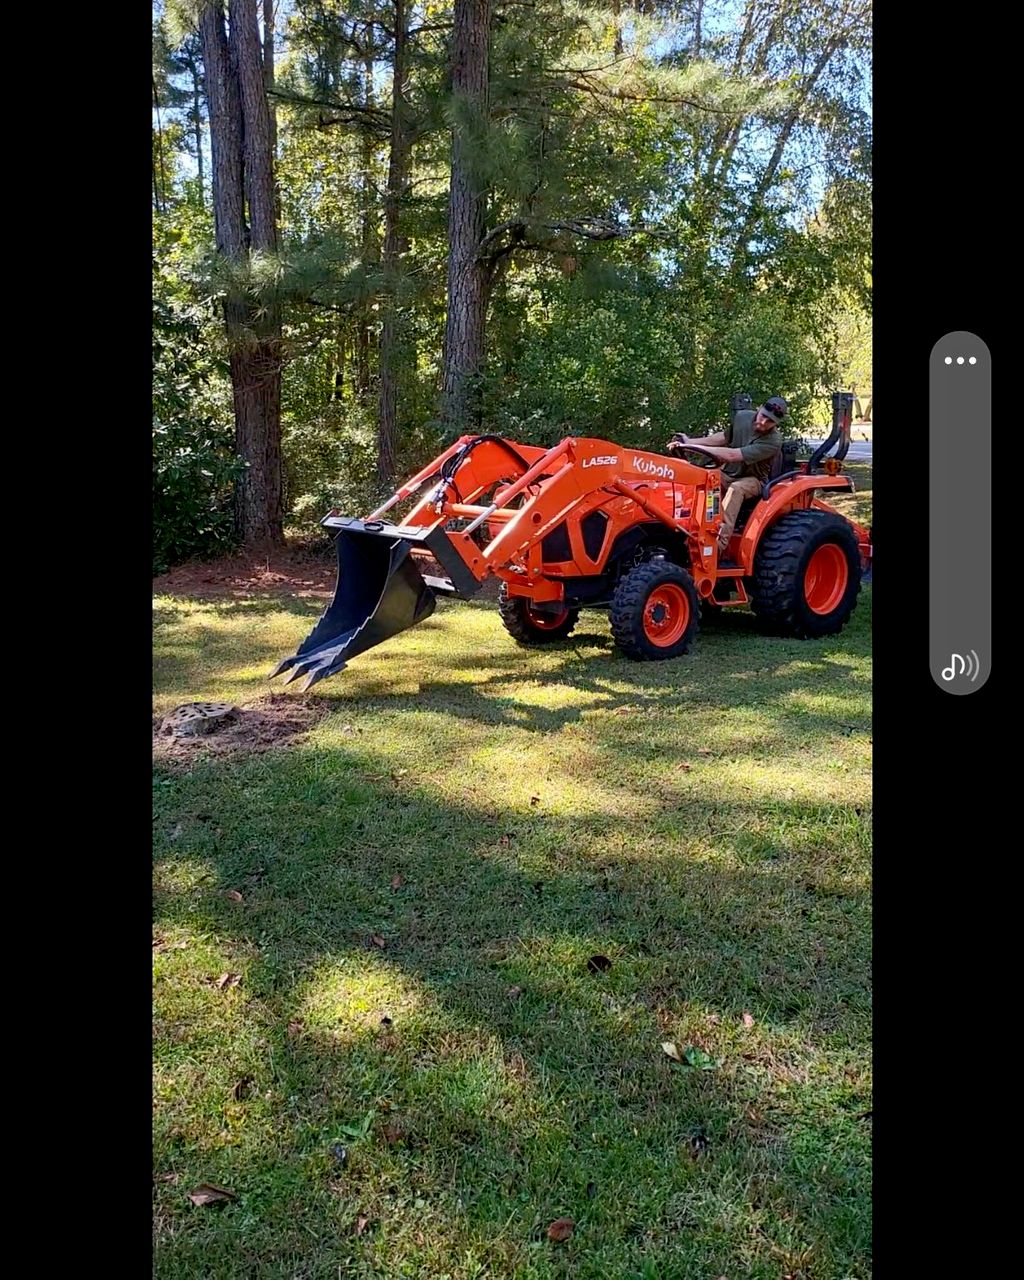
(703, 823)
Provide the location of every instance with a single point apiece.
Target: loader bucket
(380, 592)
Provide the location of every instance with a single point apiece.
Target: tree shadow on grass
(526, 1086)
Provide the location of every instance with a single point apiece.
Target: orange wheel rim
(546, 621)
(666, 614)
(825, 578)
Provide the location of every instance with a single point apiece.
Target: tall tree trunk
(467, 199)
(269, 81)
(398, 176)
(258, 362)
(338, 390)
(365, 233)
(243, 171)
(158, 162)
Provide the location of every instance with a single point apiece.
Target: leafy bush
(194, 464)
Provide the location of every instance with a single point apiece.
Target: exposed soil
(303, 570)
(306, 570)
(277, 720)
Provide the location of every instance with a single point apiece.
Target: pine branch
(587, 228)
(349, 112)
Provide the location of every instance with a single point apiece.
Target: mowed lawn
(410, 1069)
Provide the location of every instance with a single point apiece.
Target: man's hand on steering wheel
(678, 441)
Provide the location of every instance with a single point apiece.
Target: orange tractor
(592, 525)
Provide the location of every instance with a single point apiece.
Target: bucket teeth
(380, 592)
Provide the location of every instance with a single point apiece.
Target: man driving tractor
(745, 450)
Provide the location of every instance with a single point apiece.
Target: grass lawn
(415, 1071)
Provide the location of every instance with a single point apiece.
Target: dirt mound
(276, 721)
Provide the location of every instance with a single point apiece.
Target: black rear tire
(655, 611)
(806, 575)
(531, 628)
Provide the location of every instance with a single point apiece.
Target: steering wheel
(709, 458)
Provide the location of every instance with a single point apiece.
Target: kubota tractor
(591, 525)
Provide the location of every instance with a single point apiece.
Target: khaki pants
(736, 492)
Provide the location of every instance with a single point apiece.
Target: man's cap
(775, 408)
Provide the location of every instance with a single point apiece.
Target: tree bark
(269, 81)
(257, 364)
(467, 200)
(363, 317)
(225, 110)
(158, 163)
(398, 176)
(338, 390)
(242, 166)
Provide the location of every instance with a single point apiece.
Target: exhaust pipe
(379, 593)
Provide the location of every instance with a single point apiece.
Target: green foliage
(755, 275)
(763, 351)
(330, 461)
(194, 465)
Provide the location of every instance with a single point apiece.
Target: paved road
(859, 451)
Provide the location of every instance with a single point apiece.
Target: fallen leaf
(234, 895)
(207, 1193)
(378, 941)
(705, 751)
(241, 1088)
(598, 964)
(561, 1229)
(166, 1177)
(622, 711)
(399, 773)
(362, 1222)
(685, 766)
(393, 1133)
(671, 1050)
(227, 980)
(179, 946)
(397, 881)
(748, 1020)
(514, 993)
(348, 728)
(295, 1028)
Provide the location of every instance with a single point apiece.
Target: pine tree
(245, 218)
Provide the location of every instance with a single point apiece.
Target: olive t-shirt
(758, 450)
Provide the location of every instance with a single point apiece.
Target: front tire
(529, 627)
(806, 575)
(655, 612)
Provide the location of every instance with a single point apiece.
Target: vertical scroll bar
(960, 513)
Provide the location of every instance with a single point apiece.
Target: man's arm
(722, 455)
(705, 442)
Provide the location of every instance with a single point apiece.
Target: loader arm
(487, 506)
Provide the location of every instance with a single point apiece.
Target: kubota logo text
(653, 468)
(601, 461)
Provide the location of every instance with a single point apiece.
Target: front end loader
(589, 524)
